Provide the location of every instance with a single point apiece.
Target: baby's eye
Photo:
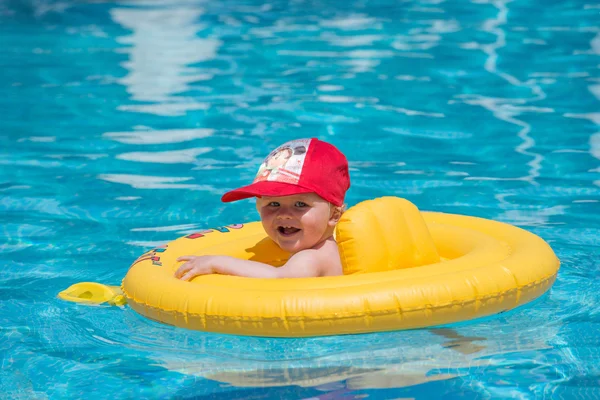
(273, 204)
(301, 204)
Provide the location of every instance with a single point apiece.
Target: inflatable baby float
(403, 269)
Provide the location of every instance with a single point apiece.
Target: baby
(299, 207)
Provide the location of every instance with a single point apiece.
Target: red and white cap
(299, 166)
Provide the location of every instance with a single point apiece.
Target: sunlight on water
(153, 58)
(159, 136)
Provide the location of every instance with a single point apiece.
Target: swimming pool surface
(122, 123)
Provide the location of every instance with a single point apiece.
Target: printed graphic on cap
(285, 163)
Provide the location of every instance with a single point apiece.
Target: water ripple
(159, 137)
(124, 122)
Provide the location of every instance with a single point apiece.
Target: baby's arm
(300, 265)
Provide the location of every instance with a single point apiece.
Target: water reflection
(163, 45)
(508, 109)
(377, 361)
(595, 152)
(154, 182)
(185, 156)
(594, 89)
(385, 80)
(594, 141)
(159, 136)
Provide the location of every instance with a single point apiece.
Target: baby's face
(280, 158)
(296, 222)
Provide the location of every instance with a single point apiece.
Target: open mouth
(287, 230)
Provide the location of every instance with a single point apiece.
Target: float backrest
(384, 234)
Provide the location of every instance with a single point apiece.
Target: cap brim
(264, 188)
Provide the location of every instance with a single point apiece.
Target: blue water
(122, 123)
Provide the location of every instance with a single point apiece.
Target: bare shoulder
(324, 261)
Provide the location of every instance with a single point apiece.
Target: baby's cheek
(265, 215)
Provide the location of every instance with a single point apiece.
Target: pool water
(122, 123)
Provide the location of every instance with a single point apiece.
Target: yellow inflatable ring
(405, 269)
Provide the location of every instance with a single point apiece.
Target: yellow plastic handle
(93, 293)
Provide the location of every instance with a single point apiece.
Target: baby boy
(299, 190)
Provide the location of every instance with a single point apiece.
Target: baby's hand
(195, 265)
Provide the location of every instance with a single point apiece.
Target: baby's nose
(284, 213)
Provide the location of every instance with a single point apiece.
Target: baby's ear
(336, 214)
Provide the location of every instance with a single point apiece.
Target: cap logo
(285, 163)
